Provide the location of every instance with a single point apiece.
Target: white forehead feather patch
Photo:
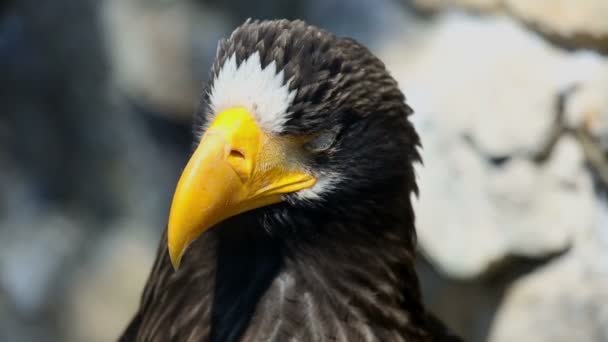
(262, 91)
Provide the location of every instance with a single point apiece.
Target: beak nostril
(236, 154)
(240, 164)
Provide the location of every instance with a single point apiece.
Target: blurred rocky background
(511, 100)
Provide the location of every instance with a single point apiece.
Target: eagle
(292, 220)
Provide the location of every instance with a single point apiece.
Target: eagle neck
(247, 263)
(363, 265)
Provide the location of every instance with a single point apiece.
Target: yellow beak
(235, 168)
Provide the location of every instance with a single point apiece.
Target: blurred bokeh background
(511, 100)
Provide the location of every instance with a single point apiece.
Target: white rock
(486, 88)
(540, 209)
(566, 301)
(487, 77)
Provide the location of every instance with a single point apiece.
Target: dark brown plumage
(339, 267)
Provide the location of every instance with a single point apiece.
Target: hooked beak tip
(175, 255)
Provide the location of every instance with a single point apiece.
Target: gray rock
(150, 44)
(106, 288)
(436, 5)
(578, 24)
(32, 253)
(587, 105)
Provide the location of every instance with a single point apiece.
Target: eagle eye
(321, 142)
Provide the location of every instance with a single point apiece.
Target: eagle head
(295, 123)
